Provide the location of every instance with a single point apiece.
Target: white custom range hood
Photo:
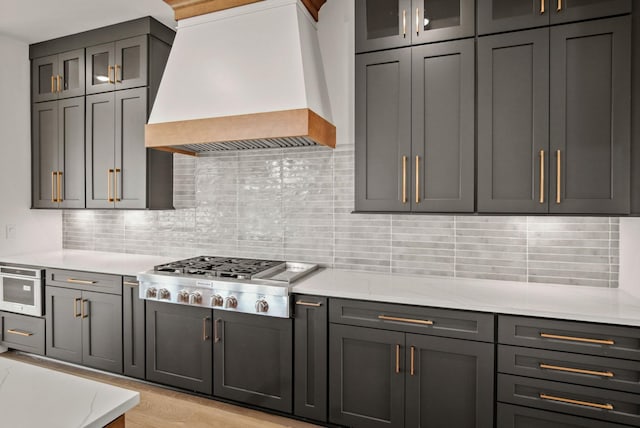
(243, 78)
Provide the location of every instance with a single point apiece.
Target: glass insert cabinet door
(119, 65)
(58, 76)
(385, 24)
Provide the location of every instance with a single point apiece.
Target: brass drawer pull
(417, 21)
(542, 175)
(131, 284)
(20, 333)
(542, 7)
(407, 320)
(397, 358)
(559, 5)
(216, 338)
(412, 370)
(109, 80)
(80, 281)
(59, 84)
(115, 184)
(54, 197)
(303, 303)
(59, 192)
(404, 23)
(606, 406)
(558, 175)
(573, 370)
(109, 198)
(417, 179)
(85, 312)
(116, 73)
(404, 179)
(53, 84)
(577, 339)
(205, 337)
(75, 308)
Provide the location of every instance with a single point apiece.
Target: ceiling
(38, 20)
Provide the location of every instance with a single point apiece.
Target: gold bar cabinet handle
(216, 338)
(85, 311)
(75, 308)
(117, 73)
(407, 320)
(53, 84)
(109, 69)
(578, 339)
(404, 23)
(417, 21)
(59, 83)
(574, 370)
(303, 303)
(20, 333)
(404, 179)
(542, 7)
(417, 179)
(578, 402)
(542, 176)
(205, 337)
(115, 184)
(412, 368)
(130, 283)
(59, 193)
(109, 198)
(559, 5)
(54, 197)
(397, 358)
(80, 281)
(558, 175)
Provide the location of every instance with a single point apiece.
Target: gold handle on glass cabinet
(205, 337)
(574, 370)
(404, 23)
(109, 80)
(53, 84)
(407, 320)
(75, 308)
(117, 73)
(542, 6)
(20, 333)
(404, 179)
(542, 176)
(558, 175)
(412, 370)
(54, 197)
(578, 402)
(109, 198)
(397, 358)
(559, 5)
(115, 184)
(85, 311)
(578, 339)
(59, 192)
(417, 21)
(59, 83)
(417, 179)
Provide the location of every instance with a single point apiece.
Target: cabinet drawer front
(523, 417)
(609, 373)
(413, 319)
(23, 333)
(580, 337)
(89, 281)
(596, 403)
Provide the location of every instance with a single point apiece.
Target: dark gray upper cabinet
(117, 65)
(253, 359)
(384, 24)
(133, 329)
(58, 76)
(179, 346)
(383, 131)
(443, 118)
(100, 150)
(513, 122)
(590, 117)
(496, 16)
(58, 154)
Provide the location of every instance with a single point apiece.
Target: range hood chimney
(243, 78)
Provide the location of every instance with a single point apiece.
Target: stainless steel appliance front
(21, 290)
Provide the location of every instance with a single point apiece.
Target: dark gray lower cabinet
(22, 332)
(84, 327)
(510, 416)
(253, 359)
(133, 330)
(310, 357)
(179, 349)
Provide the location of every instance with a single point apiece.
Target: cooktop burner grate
(225, 267)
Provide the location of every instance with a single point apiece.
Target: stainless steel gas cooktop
(229, 283)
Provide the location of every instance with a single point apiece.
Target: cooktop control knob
(262, 306)
(195, 298)
(151, 292)
(216, 300)
(183, 296)
(231, 302)
(163, 293)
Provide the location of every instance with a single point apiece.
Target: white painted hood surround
(260, 58)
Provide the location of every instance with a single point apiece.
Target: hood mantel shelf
(187, 8)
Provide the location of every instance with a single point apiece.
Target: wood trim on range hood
(299, 123)
(187, 8)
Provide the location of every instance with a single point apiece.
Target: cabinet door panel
(130, 151)
(179, 351)
(513, 122)
(43, 78)
(100, 68)
(71, 152)
(382, 24)
(495, 16)
(383, 130)
(102, 331)
(439, 20)
(63, 324)
(590, 119)
(44, 122)
(100, 150)
(365, 389)
(133, 329)
(443, 127)
(578, 10)
(451, 383)
(72, 74)
(131, 62)
(253, 360)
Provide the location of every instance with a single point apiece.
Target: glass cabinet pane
(130, 63)
(100, 67)
(383, 19)
(45, 73)
(440, 14)
(502, 9)
(71, 74)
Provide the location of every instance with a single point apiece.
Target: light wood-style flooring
(164, 408)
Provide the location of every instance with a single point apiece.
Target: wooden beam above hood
(187, 8)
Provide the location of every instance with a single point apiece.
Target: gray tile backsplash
(296, 204)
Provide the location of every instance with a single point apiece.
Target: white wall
(35, 230)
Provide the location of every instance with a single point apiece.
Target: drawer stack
(567, 374)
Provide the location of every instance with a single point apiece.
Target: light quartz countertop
(89, 261)
(605, 305)
(35, 397)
